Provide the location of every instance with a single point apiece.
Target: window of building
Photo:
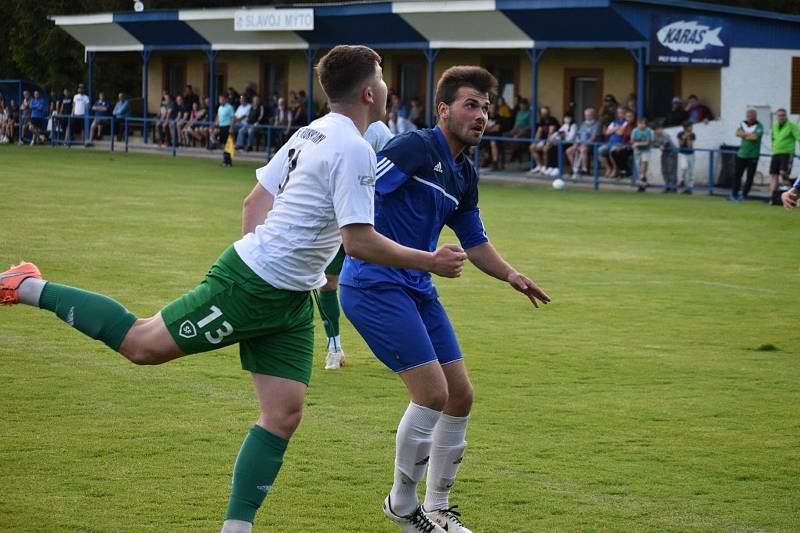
(582, 88)
(221, 73)
(506, 70)
(174, 76)
(795, 100)
(410, 78)
(274, 77)
(663, 84)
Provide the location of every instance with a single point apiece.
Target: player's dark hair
(464, 76)
(342, 70)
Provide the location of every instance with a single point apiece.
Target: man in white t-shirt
(80, 105)
(318, 191)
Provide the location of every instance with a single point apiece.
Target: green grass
(642, 399)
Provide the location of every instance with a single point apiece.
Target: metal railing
(595, 179)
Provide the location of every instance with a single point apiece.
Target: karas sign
(688, 41)
(273, 20)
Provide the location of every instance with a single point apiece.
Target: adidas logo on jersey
(438, 167)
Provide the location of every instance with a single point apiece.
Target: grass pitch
(658, 392)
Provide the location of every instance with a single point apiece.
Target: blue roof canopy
(577, 28)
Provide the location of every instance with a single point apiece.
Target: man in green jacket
(785, 135)
(750, 131)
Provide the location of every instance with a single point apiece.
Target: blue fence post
(560, 152)
(112, 133)
(173, 136)
(126, 134)
(595, 165)
(710, 172)
(269, 143)
(430, 56)
(68, 134)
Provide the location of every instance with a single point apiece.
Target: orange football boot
(11, 279)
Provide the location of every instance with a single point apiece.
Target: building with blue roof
(560, 53)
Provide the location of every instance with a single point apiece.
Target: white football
(558, 184)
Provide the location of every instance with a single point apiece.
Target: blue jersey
(420, 188)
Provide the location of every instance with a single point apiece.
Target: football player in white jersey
(317, 192)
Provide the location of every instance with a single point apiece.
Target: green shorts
(335, 266)
(274, 327)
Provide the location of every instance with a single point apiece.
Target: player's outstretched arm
(487, 259)
(255, 208)
(363, 242)
(791, 198)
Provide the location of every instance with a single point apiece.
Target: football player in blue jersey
(425, 182)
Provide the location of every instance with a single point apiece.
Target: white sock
(236, 526)
(30, 290)
(335, 343)
(414, 439)
(446, 454)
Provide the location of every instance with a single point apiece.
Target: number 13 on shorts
(222, 332)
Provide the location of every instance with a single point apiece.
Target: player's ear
(368, 95)
(443, 110)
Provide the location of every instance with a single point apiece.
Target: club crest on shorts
(187, 330)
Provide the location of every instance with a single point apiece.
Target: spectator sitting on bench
(248, 129)
(493, 129)
(162, 124)
(621, 154)
(546, 127)
(521, 129)
(614, 137)
(587, 134)
(182, 110)
(100, 110)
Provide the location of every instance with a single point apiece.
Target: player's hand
(527, 287)
(448, 261)
(790, 199)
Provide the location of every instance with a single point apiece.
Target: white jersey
(79, 104)
(377, 135)
(323, 178)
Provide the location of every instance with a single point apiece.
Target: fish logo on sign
(688, 36)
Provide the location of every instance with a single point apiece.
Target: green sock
(255, 470)
(95, 315)
(329, 309)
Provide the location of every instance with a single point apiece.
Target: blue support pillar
(145, 83)
(430, 55)
(640, 56)
(90, 76)
(311, 55)
(212, 83)
(535, 55)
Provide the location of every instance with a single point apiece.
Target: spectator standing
(587, 134)
(677, 115)
(120, 112)
(24, 115)
(615, 134)
(642, 141)
(299, 112)
(256, 117)
(750, 130)
(224, 119)
(80, 106)
(669, 158)
(697, 112)
(785, 135)
(686, 139)
(547, 126)
(631, 103)
(191, 98)
(38, 116)
(63, 124)
(100, 110)
(4, 138)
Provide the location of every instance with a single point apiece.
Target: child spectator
(669, 159)
(642, 141)
(686, 140)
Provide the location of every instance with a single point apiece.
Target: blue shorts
(402, 329)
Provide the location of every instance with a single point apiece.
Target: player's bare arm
(363, 242)
(791, 199)
(486, 258)
(255, 208)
